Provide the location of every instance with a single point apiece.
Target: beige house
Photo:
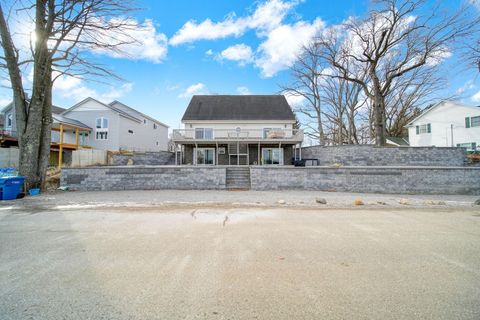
(238, 130)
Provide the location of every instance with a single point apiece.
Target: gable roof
(238, 107)
(134, 113)
(55, 109)
(61, 119)
(123, 113)
(435, 106)
(401, 141)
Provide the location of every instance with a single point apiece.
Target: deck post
(258, 160)
(60, 149)
(216, 153)
(300, 148)
(76, 137)
(238, 152)
(195, 154)
(176, 155)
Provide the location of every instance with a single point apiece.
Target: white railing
(232, 134)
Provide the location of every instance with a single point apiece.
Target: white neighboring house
(117, 126)
(447, 124)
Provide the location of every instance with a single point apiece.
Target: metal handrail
(232, 134)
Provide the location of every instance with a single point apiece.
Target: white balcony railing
(235, 134)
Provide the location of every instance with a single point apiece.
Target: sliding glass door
(272, 155)
(205, 156)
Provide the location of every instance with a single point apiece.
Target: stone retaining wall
(143, 178)
(407, 180)
(160, 158)
(369, 155)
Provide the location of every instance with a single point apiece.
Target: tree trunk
(46, 136)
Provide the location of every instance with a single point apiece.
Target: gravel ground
(69, 260)
(188, 198)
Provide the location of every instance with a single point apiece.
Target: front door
(272, 156)
(205, 156)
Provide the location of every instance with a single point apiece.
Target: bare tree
(306, 78)
(395, 39)
(64, 32)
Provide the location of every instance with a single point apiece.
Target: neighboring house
(447, 124)
(238, 130)
(117, 126)
(75, 133)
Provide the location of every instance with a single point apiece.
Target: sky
(191, 47)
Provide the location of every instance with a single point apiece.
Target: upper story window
(9, 122)
(424, 128)
(144, 121)
(204, 133)
(102, 123)
(154, 126)
(472, 122)
(101, 128)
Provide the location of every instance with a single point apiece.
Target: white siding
(441, 120)
(87, 113)
(144, 136)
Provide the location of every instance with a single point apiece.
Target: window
(423, 128)
(470, 146)
(9, 121)
(154, 126)
(101, 128)
(102, 123)
(272, 156)
(205, 156)
(204, 133)
(472, 122)
(101, 135)
(130, 131)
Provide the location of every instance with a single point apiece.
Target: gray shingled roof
(241, 107)
(62, 119)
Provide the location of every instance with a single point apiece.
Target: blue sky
(218, 47)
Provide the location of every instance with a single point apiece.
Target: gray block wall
(400, 180)
(143, 178)
(369, 155)
(144, 158)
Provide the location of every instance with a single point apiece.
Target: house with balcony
(238, 130)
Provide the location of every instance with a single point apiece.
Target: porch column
(280, 160)
(216, 153)
(60, 150)
(300, 148)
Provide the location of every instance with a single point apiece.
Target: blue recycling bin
(11, 187)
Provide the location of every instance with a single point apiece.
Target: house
(67, 134)
(238, 130)
(118, 127)
(446, 124)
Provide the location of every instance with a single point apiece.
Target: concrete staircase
(238, 178)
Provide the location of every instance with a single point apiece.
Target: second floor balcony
(247, 135)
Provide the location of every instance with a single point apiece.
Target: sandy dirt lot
(61, 259)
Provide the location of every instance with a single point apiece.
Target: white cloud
(197, 88)
(476, 97)
(283, 44)
(265, 17)
(149, 44)
(469, 85)
(209, 52)
(243, 90)
(240, 52)
(294, 100)
(76, 89)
